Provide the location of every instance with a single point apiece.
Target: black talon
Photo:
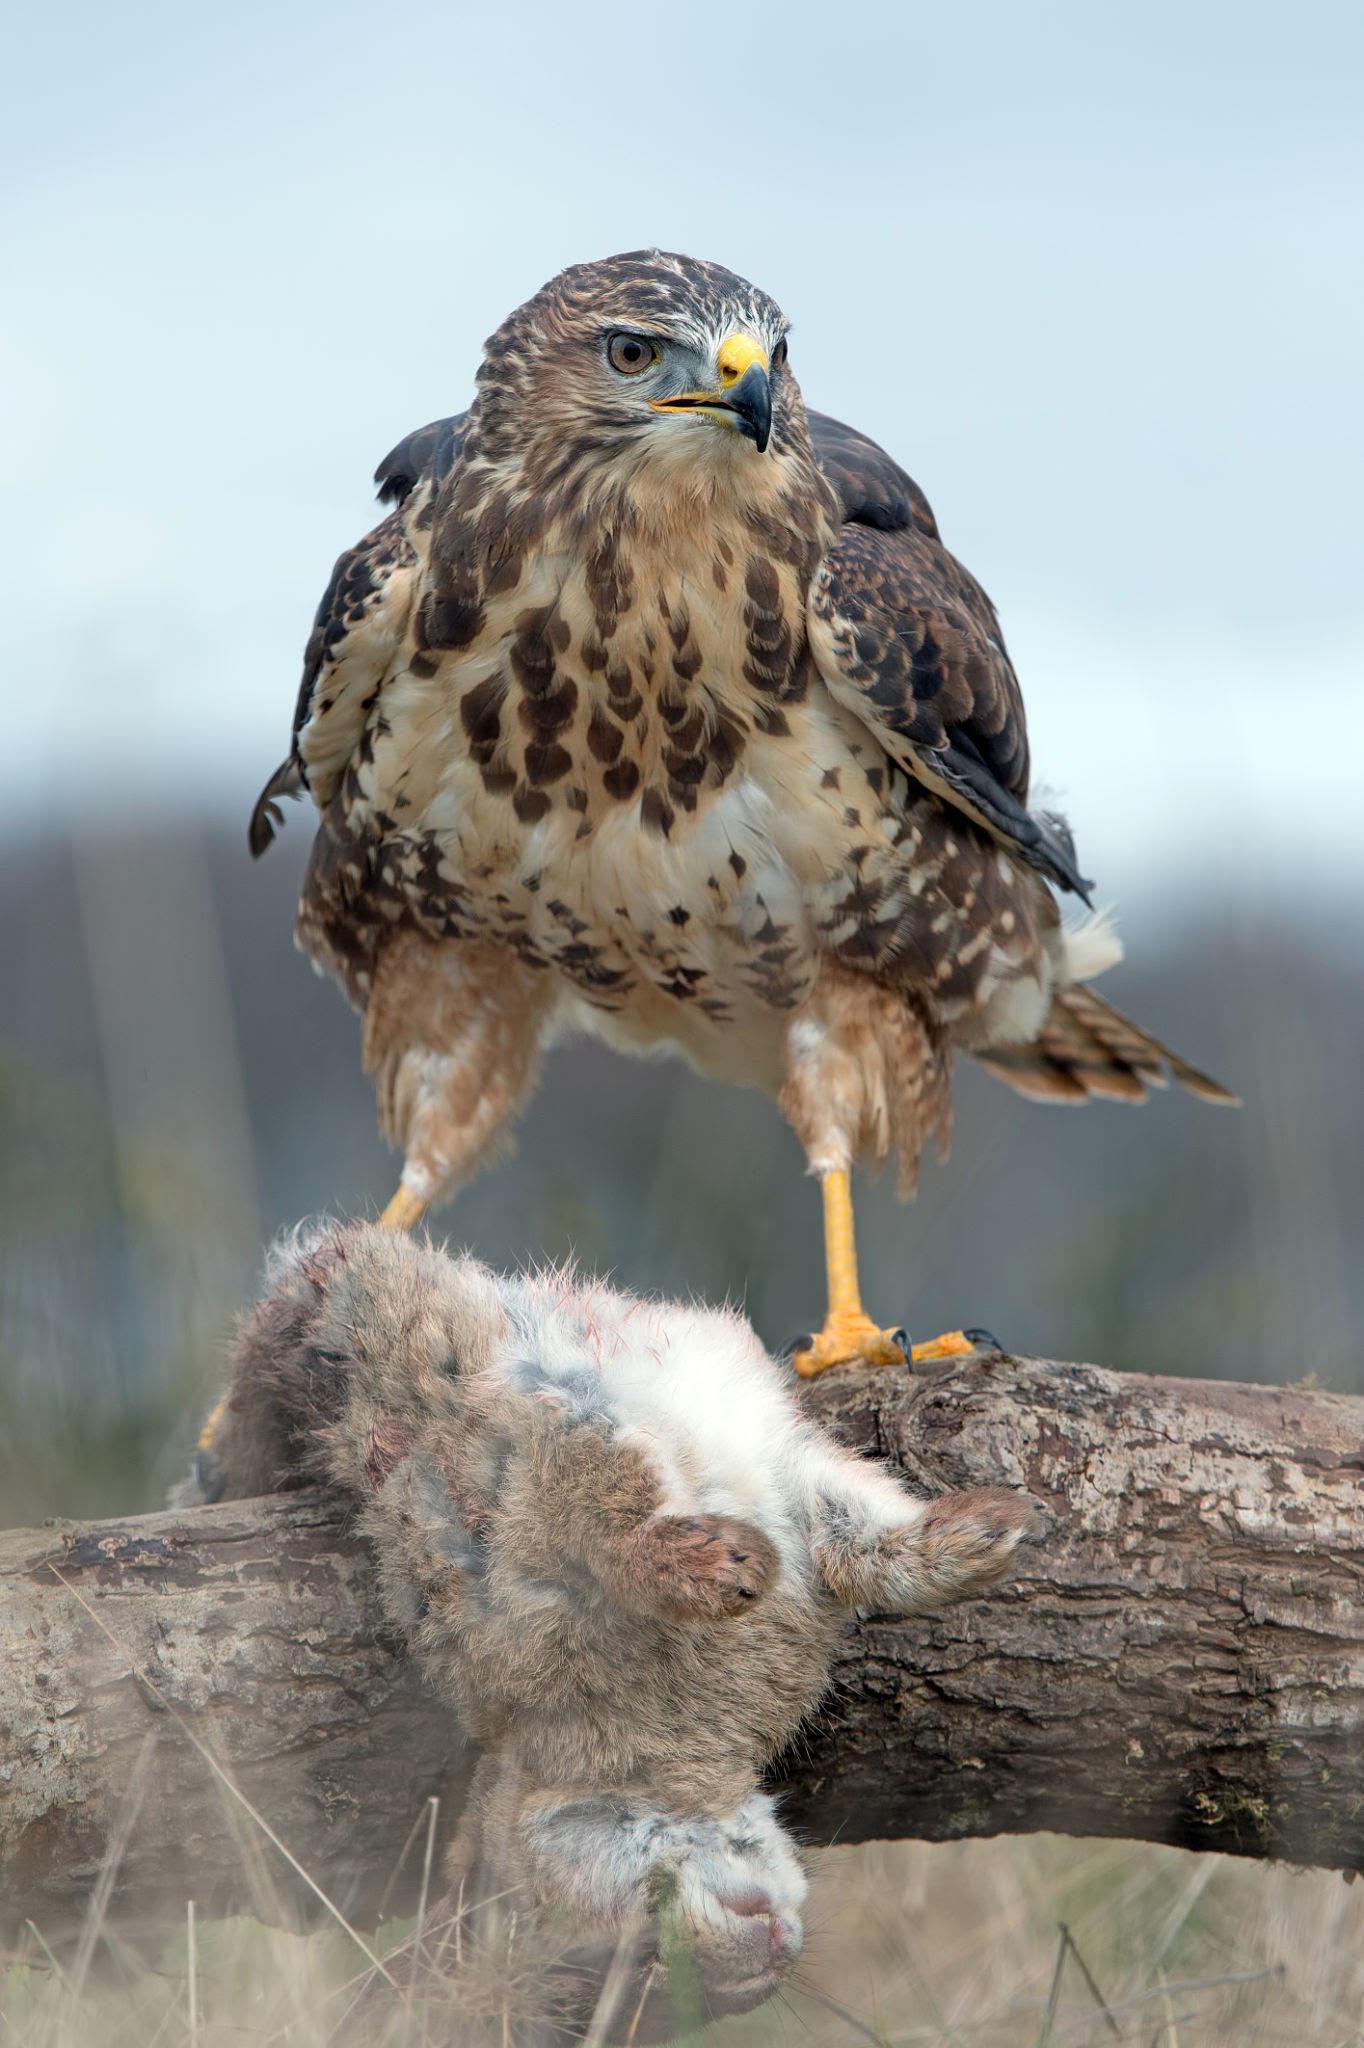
(901, 1337)
(211, 1477)
(984, 1340)
(795, 1344)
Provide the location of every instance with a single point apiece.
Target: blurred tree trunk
(1181, 1659)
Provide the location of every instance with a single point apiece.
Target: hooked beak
(750, 400)
(744, 399)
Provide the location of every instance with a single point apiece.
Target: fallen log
(189, 1699)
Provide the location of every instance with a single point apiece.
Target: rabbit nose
(785, 1939)
(749, 1904)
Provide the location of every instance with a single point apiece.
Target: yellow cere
(738, 354)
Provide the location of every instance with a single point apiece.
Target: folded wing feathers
(1087, 1048)
(267, 817)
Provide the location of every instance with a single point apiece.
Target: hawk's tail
(1087, 1048)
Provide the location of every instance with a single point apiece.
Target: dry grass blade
(1184, 1988)
(613, 1990)
(419, 1931)
(385, 1897)
(432, 1815)
(1054, 1995)
(56, 1967)
(1200, 1877)
(224, 1778)
(980, 1918)
(1169, 2026)
(113, 1857)
(1100, 2001)
(1067, 1945)
(643, 2001)
(841, 2012)
(192, 1973)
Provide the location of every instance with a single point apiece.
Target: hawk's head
(648, 360)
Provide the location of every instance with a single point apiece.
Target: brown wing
(906, 639)
(356, 632)
(1086, 1047)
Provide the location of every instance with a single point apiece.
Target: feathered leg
(862, 1075)
(452, 1037)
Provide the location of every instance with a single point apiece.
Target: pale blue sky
(1092, 273)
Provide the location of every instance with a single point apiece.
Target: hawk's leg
(452, 1036)
(404, 1211)
(849, 1334)
(863, 1075)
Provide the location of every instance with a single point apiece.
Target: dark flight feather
(427, 451)
(920, 656)
(1087, 1048)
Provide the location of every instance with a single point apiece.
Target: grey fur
(620, 1552)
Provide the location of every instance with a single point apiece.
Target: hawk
(655, 708)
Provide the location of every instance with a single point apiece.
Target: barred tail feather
(1087, 1048)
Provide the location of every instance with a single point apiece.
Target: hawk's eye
(779, 354)
(630, 353)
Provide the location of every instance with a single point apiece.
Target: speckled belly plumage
(652, 796)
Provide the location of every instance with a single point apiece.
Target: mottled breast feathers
(903, 635)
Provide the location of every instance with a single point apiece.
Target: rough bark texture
(252, 1630)
(1181, 1659)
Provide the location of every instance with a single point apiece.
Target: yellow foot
(404, 1212)
(848, 1338)
(211, 1421)
(856, 1340)
(951, 1344)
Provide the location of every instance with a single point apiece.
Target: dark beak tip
(751, 398)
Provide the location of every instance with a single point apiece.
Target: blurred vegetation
(953, 1944)
(175, 1086)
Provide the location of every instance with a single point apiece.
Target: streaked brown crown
(538, 384)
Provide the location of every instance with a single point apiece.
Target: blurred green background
(1091, 274)
(1087, 271)
(177, 1085)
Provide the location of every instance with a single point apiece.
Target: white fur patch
(1090, 949)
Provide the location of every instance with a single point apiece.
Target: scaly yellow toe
(848, 1338)
(951, 1344)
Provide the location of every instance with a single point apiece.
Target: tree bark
(246, 1636)
(1180, 1658)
